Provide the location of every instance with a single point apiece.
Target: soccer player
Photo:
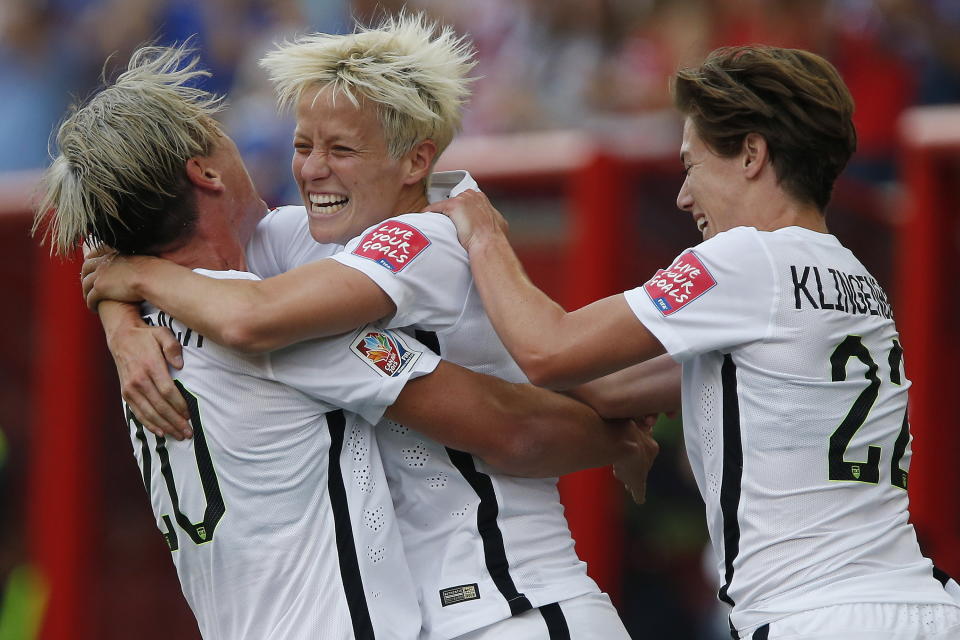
(794, 394)
(491, 554)
(277, 512)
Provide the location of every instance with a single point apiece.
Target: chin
(325, 234)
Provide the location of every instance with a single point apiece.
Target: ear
(203, 175)
(755, 155)
(419, 161)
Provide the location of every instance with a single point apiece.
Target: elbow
(542, 368)
(519, 454)
(246, 337)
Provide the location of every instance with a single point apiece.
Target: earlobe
(202, 175)
(420, 161)
(754, 154)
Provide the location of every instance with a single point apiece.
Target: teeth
(702, 224)
(327, 202)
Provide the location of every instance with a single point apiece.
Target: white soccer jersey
(482, 546)
(794, 407)
(277, 512)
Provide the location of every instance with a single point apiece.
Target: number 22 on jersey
(868, 471)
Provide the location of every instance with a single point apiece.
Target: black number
(200, 532)
(864, 471)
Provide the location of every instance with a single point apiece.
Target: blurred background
(571, 134)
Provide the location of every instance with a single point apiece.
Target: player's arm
(141, 355)
(553, 347)
(321, 298)
(651, 387)
(518, 428)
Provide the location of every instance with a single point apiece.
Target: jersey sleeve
(716, 296)
(282, 241)
(417, 260)
(363, 371)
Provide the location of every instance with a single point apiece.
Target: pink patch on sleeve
(678, 285)
(392, 244)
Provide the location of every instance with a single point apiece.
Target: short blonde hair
(413, 70)
(120, 176)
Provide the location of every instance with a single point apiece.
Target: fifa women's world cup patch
(393, 245)
(678, 285)
(383, 351)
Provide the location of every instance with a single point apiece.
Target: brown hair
(795, 99)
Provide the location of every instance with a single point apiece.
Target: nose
(684, 199)
(315, 166)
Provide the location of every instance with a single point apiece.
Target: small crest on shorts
(392, 245)
(383, 351)
(678, 285)
(462, 593)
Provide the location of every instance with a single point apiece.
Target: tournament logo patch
(383, 351)
(678, 285)
(392, 245)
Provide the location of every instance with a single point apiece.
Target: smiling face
(347, 178)
(712, 185)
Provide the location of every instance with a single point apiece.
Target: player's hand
(473, 216)
(632, 470)
(141, 355)
(111, 277)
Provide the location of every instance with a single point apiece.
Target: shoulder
(430, 224)
(742, 249)
(286, 214)
(408, 235)
(278, 227)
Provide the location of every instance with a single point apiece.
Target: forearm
(518, 428)
(650, 387)
(318, 299)
(233, 313)
(562, 435)
(115, 317)
(520, 312)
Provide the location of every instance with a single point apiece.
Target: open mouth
(327, 203)
(701, 224)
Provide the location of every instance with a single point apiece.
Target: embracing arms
(318, 299)
(517, 428)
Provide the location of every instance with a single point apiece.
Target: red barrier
(64, 481)
(927, 259)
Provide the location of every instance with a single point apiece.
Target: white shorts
(866, 621)
(587, 617)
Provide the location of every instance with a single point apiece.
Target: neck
(792, 214)
(780, 210)
(412, 200)
(215, 244)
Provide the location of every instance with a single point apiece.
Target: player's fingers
(646, 422)
(169, 403)
(90, 294)
(172, 351)
(148, 417)
(639, 493)
(140, 391)
(90, 265)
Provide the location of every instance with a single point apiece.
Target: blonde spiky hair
(120, 174)
(410, 67)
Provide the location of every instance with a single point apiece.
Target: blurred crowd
(542, 63)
